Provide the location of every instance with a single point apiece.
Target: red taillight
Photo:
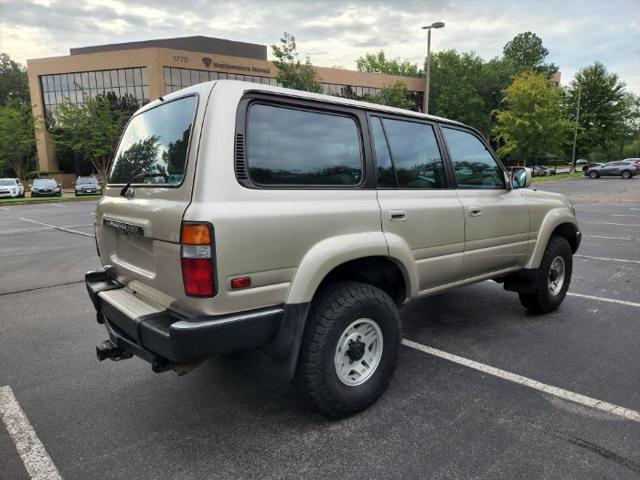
(197, 260)
(242, 282)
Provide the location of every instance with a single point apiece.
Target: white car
(11, 187)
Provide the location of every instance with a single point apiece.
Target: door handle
(475, 211)
(397, 215)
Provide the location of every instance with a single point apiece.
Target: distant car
(45, 187)
(11, 188)
(585, 168)
(87, 186)
(542, 171)
(582, 161)
(622, 168)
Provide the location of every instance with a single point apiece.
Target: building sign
(209, 62)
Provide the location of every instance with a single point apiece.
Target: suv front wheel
(552, 278)
(350, 348)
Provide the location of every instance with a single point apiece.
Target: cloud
(332, 32)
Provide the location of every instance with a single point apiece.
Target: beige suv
(240, 215)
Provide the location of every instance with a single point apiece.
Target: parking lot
(483, 389)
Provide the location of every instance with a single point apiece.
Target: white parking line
(606, 259)
(604, 299)
(58, 205)
(613, 238)
(36, 460)
(617, 224)
(62, 229)
(5, 209)
(623, 215)
(528, 382)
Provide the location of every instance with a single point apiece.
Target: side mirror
(521, 177)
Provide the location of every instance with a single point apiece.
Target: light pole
(428, 69)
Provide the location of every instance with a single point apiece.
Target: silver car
(626, 168)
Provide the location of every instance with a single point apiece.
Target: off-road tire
(542, 300)
(333, 309)
(593, 175)
(626, 174)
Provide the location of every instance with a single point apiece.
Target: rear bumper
(165, 337)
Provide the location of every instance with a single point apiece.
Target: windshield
(7, 182)
(86, 180)
(156, 141)
(45, 183)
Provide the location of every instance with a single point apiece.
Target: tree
(605, 111)
(394, 95)
(139, 158)
(13, 81)
(526, 52)
(17, 138)
(533, 124)
(90, 130)
(454, 90)
(292, 73)
(378, 63)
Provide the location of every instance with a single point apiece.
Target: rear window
(287, 146)
(156, 142)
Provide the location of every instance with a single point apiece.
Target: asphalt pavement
(439, 418)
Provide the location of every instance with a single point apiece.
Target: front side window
(156, 142)
(287, 146)
(474, 167)
(415, 154)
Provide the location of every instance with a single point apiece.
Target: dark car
(622, 168)
(87, 186)
(45, 187)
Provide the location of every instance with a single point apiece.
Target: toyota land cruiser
(241, 216)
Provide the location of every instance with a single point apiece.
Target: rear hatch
(138, 224)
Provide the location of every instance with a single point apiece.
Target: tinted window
(45, 183)
(156, 141)
(299, 147)
(473, 165)
(415, 154)
(386, 177)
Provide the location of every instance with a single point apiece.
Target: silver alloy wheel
(358, 352)
(556, 276)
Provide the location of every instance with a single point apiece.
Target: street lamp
(428, 69)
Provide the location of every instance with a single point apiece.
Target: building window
(178, 78)
(78, 86)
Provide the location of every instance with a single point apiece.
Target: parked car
(585, 168)
(542, 171)
(45, 187)
(87, 186)
(299, 223)
(581, 161)
(622, 168)
(11, 187)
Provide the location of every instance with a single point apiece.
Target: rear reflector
(243, 282)
(197, 260)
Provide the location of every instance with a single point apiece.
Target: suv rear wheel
(626, 174)
(552, 278)
(350, 348)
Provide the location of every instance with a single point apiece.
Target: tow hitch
(108, 349)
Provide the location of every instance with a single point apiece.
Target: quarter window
(287, 146)
(386, 176)
(415, 154)
(474, 167)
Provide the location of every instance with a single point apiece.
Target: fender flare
(552, 220)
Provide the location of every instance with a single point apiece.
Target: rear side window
(156, 141)
(287, 146)
(474, 167)
(414, 153)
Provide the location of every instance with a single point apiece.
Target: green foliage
(394, 95)
(455, 88)
(533, 125)
(378, 63)
(292, 73)
(606, 112)
(92, 130)
(17, 138)
(13, 81)
(526, 52)
(138, 158)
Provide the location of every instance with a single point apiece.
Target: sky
(337, 32)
